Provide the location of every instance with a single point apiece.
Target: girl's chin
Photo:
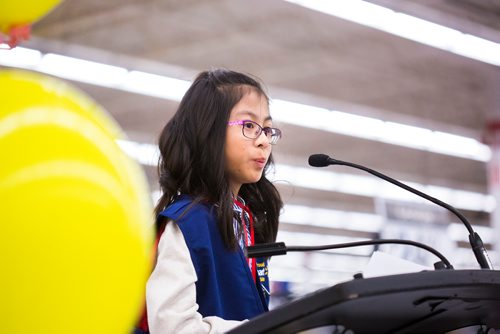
(254, 179)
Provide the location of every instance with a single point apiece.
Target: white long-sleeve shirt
(171, 291)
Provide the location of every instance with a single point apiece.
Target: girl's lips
(260, 162)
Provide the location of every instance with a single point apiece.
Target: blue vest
(225, 287)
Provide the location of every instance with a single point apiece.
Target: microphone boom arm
(474, 238)
(279, 248)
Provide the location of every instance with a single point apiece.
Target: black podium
(425, 302)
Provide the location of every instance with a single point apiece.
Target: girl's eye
(249, 125)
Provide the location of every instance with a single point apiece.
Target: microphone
(279, 248)
(323, 160)
(320, 160)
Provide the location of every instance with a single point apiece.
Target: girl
(216, 200)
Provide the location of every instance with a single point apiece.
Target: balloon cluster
(16, 17)
(75, 213)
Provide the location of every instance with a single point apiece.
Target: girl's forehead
(254, 115)
(252, 102)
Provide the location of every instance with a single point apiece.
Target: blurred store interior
(408, 88)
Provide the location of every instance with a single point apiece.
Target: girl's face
(245, 157)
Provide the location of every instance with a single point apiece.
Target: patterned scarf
(243, 229)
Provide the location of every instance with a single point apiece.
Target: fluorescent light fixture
(406, 135)
(467, 200)
(409, 27)
(146, 154)
(96, 73)
(283, 111)
(378, 130)
(155, 85)
(372, 187)
(82, 70)
(363, 222)
(324, 119)
(450, 144)
(20, 57)
(457, 233)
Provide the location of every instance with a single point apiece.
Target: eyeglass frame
(266, 130)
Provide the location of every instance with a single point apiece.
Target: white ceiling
(306, 57)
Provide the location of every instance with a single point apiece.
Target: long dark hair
(192, 155)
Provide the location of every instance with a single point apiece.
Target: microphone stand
(474, 238)
(279, 248)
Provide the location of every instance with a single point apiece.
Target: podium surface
(425, 302)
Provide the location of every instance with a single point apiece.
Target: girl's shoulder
(195, 219)
(185, 208)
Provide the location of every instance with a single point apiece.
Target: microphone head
(319, 160)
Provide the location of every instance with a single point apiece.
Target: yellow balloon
(22, 12)
(75, 213)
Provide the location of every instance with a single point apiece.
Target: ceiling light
(408, 27)
(20, 57)
(146, 154)
(378, 130)
(82, 70)
(371, 187)
(283, 111)
(155, 85)
(456, 233)
(450, 144)
(324, 119)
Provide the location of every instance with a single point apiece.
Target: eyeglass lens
(253, 130)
